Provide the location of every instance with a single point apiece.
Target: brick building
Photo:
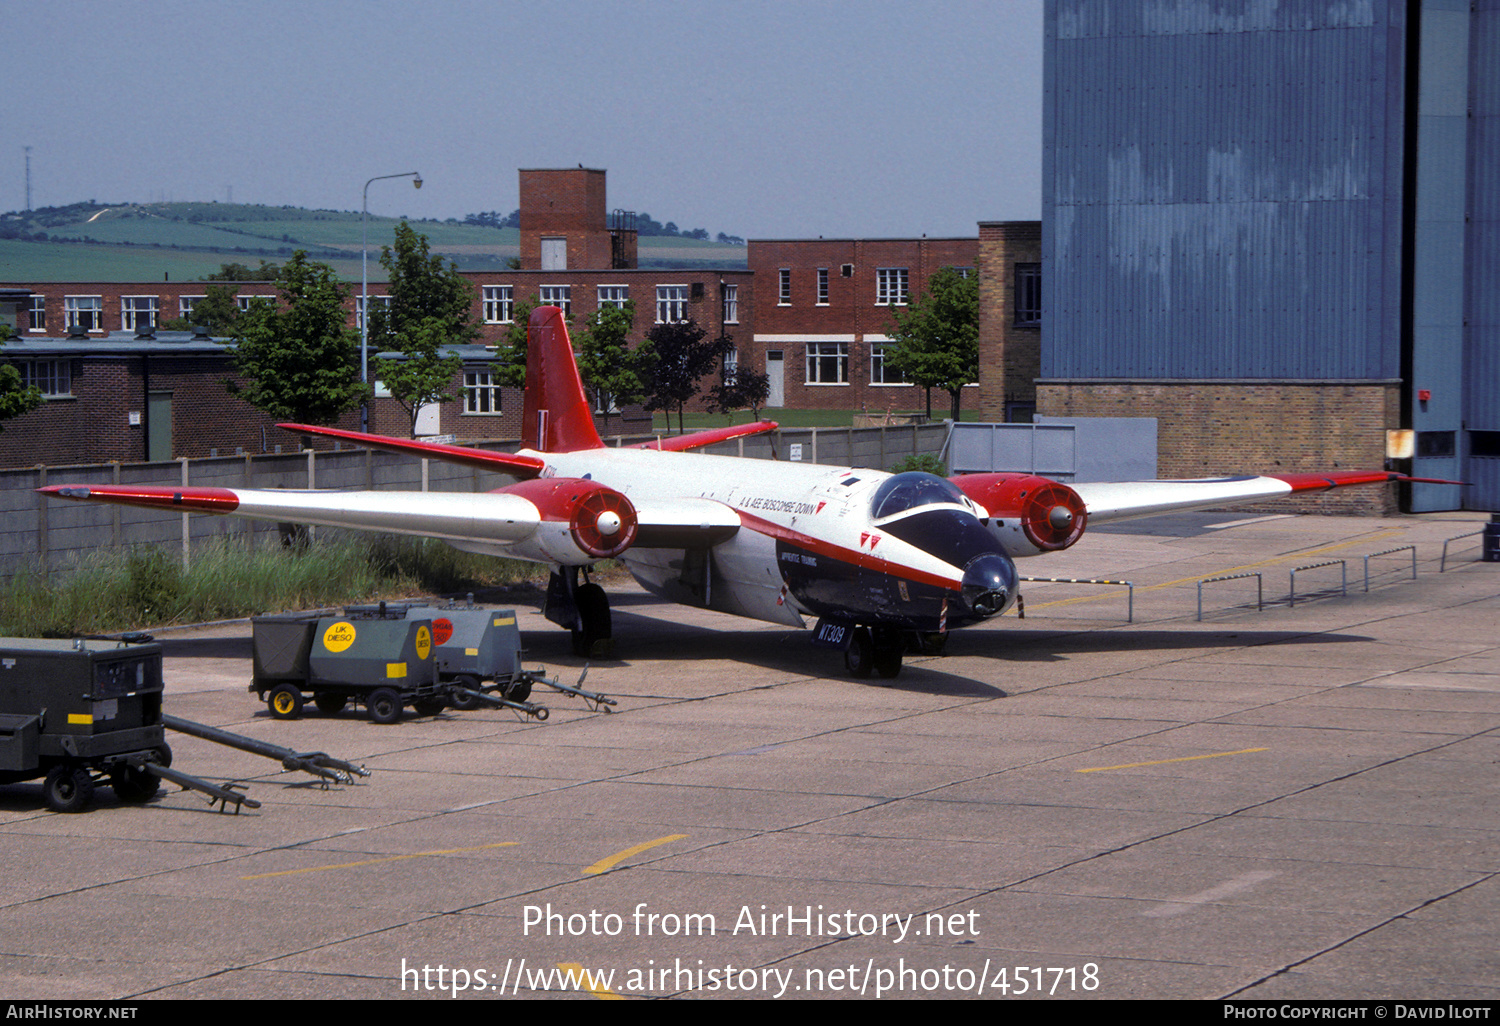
(1010, 319)
(825, 308)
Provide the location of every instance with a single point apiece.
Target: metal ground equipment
(384, 664)
(85, 712)
(478, 653)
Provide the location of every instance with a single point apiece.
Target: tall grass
(113, 591)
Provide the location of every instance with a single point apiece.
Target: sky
(759, 118)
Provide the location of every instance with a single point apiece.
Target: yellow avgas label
(339, 636)
(506, 622)
(394, 670)
(424, 642)
(80, 718)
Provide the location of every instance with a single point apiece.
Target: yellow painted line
(591, 984)
(606, 864)
(1289, 557)
(388, 858)
(1163, 762)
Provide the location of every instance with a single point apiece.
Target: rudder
(556, 416)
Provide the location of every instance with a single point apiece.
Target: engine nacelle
(1028, 510)
(582, 520)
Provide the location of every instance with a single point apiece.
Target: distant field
(189, 240)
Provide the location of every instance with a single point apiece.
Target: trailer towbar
(526, 708)
(319, 764)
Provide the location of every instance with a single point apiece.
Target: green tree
(683, 356)
(241, 272)
(16, 397)
(743, 388)
(510, 363)
(613, 373)
(431, 310)
(298, 358)
(218, 311)
(937, 337)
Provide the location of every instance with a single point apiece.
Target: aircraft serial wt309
(880, 559)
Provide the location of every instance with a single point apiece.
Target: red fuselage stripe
(862, 560)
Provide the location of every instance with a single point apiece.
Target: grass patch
(143, 588)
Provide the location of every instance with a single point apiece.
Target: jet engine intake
(1049, 515)
(601, 522)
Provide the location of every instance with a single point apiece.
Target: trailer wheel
(68, 788)
(285, 702)
(519, 690)
(133, 786)
(384, 705)
(469, 682)
(428, 706)
(329, 703)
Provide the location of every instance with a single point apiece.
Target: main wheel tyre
(68, 788)
(133, 785)
(462, 702)
(889, 646)
(385, 705)
(329, 703)
(593, 612)
(285, 702)
(859, 657)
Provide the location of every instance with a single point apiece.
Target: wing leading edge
(1122, 500)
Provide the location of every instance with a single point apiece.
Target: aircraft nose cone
(609, 523)
(988, 583)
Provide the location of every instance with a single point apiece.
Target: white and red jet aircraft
(880, 559)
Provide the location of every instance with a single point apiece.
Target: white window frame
(731, 304)
(891, 286)
(359, 306)
(822, 286)
(131, 307)
(481, 394)
(74, 306)
(38, 306)
(556, 295)
(499, 304)
(784, 295)
(53, 377)
(731, 365)
(827, 363)
(613, 296)
(185, 306)
(671, 304)
(879, 374)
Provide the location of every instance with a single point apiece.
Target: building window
(243, 302)
(137, 313)
(731, 297)
(828, 363)
(671, 304)
(53, 377)
(185, 306)
(880, 372)
(1028, 293)
(499, 308)
(560, 296)
(359, 306)
(38, 313)
(481, 393)
(85, 312)
(731, 366)
(785, 296)
(614, 295)
(963, 272)
(822, 286)
(890, 286)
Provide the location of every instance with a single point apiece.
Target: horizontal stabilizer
(698, 439)
(502, 462)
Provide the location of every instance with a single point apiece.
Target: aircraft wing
(492, 517)
(698, 439)
(1122, 500)
(504, 462)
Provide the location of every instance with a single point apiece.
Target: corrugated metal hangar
(1275, 226)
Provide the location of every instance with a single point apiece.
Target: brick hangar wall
(1214, 428)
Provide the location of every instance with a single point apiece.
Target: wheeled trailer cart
(384, 665)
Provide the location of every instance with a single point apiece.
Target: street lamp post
(364, 288)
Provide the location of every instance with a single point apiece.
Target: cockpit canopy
(908, 491)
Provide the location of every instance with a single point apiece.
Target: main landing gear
(582, 607)
(874, 649)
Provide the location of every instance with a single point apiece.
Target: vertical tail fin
(556, 416)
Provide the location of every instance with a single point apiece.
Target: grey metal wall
(1482, 314)
(1222, 188)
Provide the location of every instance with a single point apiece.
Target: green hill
(143, 241)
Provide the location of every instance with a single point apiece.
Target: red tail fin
(556, 414)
